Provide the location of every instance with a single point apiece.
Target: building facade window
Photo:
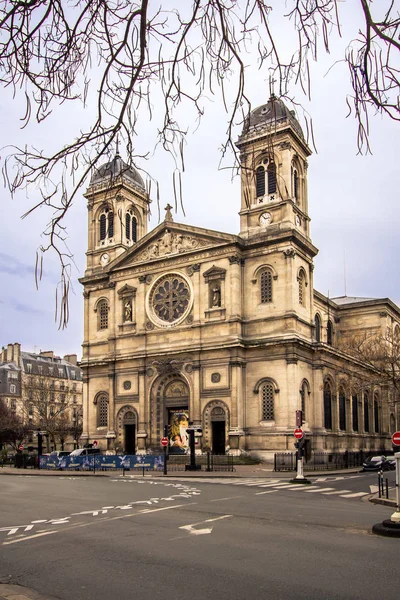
(106, 224)
(317, 324)
(102, 411)
(342, 410)
(329, 333)
(327, 406)
(266, 179)
(354, 404)
(267, 402)
(103, 314)
(376, 415)
(303, 395)
(13, 388)
(266, 286)
(13, 405)
(366, 413)
(302, 287)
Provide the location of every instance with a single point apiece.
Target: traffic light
(299, 418)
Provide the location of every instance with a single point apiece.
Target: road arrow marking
(204, 531)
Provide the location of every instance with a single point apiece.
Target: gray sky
(352, 202)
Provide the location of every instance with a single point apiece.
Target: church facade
(185, 324)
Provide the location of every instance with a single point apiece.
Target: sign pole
(396, 515)
(299, 435)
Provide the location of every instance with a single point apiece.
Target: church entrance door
(218, 437)
(129, 431)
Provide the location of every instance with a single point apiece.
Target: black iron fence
(207, 462)
(321, 461)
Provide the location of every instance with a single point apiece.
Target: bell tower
(118, 208)
(273, 156)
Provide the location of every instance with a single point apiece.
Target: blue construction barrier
(102, 462)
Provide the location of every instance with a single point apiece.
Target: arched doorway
(218, 428)
(127, 420)
(171, 407)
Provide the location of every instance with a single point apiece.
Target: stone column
(235, 430)
(194, 402)
(111, 408)
(235, 296)
(85, 406)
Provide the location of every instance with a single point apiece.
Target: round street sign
(95, 443)
(20, 447)
(164, 441)
(396, 438)
(298, 433)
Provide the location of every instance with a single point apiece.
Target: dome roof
(276, 113)
(115, 168)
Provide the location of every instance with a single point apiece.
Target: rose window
(170, 299)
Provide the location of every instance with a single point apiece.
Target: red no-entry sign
(396, 438)
(20, 447)
(164, 441)
(298, 433)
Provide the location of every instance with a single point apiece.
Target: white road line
(356, 495)
(319, 490)
(336, 492)
(29, 537)
(229, 498)
(266, 492)
(306, 488)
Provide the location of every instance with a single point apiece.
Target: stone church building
(185, 324)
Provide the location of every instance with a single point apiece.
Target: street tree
(13, 431)
(48, 409)
(54, 52)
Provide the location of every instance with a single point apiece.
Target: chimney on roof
(10, 352)
(3, 354)
(71, 358)
(17, 354)
(47, 354)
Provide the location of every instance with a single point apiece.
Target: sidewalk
(261, 470)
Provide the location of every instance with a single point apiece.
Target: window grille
(355, 413)
(110, 224)
(260, 182)
(134, 229)
(301, 289)
(266, 286)
(295, 185)
(317, 322)
(103, 227)
(327, 406)
(303, 393)
(102, 411)
(271, 178)
(13, 388)
(103, 312)
(29, 367)
(128, 226)
(267, 393)
(342, 410)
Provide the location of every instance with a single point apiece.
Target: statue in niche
(216, 297)
(128, 310)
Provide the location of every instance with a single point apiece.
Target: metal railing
(207, 462)
(320, 461)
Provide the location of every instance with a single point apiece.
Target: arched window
(106, 224)
(317, 322)
(329, 333)
(327, 406)
(302, 287)
(366, 412)
(134, 229)
(128, 226)
(267, 399)
(102, 410)
(342, 410)
(392, 423)
(271, 171)
(303, 395)
(103, 314)
(295, 184)
(354, 404)
(376, 414)
(260, 182)
(266, 286)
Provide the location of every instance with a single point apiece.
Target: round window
(170, 299)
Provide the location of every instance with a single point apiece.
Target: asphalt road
(86, 538)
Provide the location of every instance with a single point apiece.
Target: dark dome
(115, 168)
(275, 112)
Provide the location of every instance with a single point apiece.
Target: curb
(19, 592)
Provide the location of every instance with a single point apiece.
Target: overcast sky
(352, 203)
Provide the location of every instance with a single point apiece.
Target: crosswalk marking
(318, 490)
(335, 492)
(354, 495)
(266, 492)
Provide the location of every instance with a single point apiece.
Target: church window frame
(317, 325)
(130, 226)
(260, 181)
(267, 392)
(266, 286)
(266, 178)
(327, 397)
(342, 409)
(366, 413)
(302, 284)
(102, 309)
(101, 402)
(354, 407)
(329, 333)
(377, 420)
(304, 392)
(106, 224)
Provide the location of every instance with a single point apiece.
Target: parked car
(59, 453)
(85, 452)
(379, 463)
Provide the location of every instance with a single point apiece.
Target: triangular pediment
(171, 239)
(127, 290)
